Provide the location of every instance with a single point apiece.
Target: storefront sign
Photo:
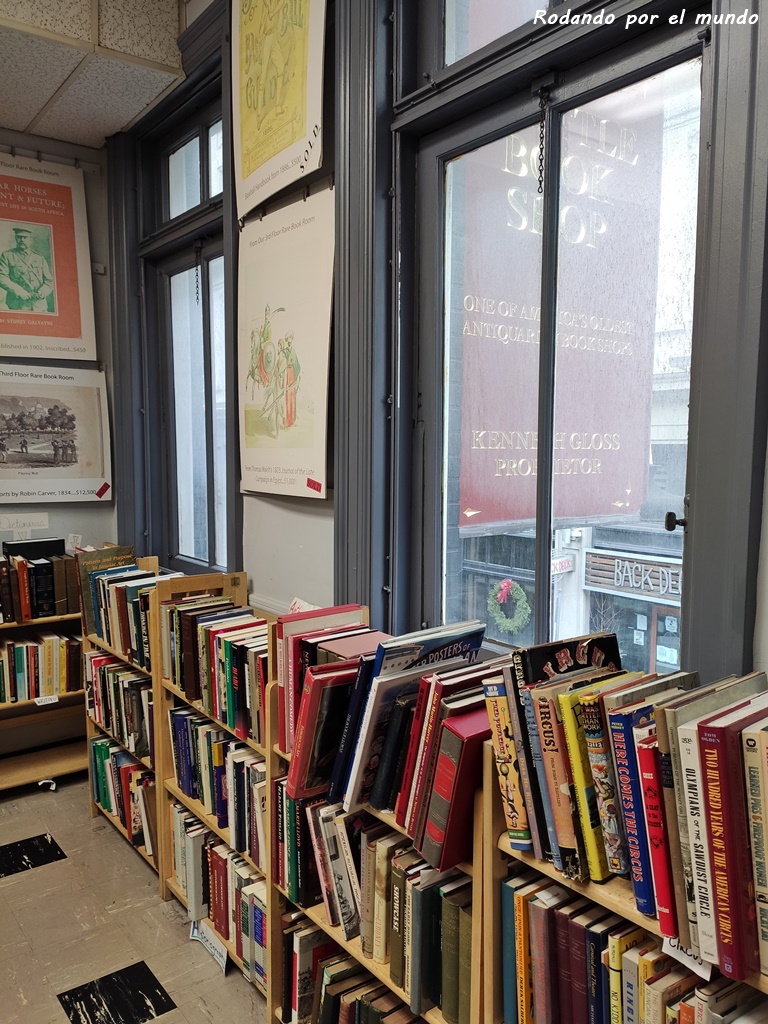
(562, 563)
(634, 576)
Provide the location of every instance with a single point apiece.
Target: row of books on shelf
(37, 587)
(375, 885)
(323, 985)
(46, 665)
(120, 700)
(567, 960)
(660, 779)
(226, 776)
(220, 885)
(124, 788)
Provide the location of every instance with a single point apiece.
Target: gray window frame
(388, 422)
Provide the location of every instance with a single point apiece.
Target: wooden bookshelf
(117, 824)
(96, 641)
(42, 738)
(198, 706)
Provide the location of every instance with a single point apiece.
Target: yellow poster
(277, 94)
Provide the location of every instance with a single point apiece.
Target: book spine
(673, 829)
(604, 779)
(579, 978)
(525, 1009)
(544, 1009)
(737, 942)
(538, 766)
(755, 762)
(586, 797)
(631, 807)
(528, 778)
(396, 940)
(647, 757)
(515, 814)
(701, 921)
(560, 785)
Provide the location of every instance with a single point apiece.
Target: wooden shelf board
(281, 753)
(209, 820)
(63, 698)
(177, 891)
(37, 765)
(104, 646)
(615, 894)
(114, 820)
(198, 706)
(44, 621)
(353, 947)
(142, 760)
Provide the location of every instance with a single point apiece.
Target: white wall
(193, 9)
(94, 522)
(288, 550)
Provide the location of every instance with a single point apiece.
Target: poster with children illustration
(284, 324)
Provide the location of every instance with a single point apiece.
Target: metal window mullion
(547, 346)
(205, 301)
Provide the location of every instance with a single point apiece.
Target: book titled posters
(46, 300)
(284, 324)
(54, 435)
(277, 95)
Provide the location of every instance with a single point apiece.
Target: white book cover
(195, 840)
(349, 919)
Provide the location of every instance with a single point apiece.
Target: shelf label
(200, 931)
(688, 958)
(24, 523)
(52, 699)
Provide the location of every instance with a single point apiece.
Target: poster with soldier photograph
(46, 299)
(54, 435)
(284, 329)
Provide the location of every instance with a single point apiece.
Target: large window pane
(471, 24)
(190, 417)
(184, 178)
(219, 403)
(215, 160)
(492, 288)
(626, 255)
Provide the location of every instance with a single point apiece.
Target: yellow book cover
(581, 772)
(505, 753)
(60, 682)
(525, 1011)
(619, 941)
(648, 966)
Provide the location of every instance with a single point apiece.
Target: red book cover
(458, 773)
(220, 892)
(728, 833)
(563, 945)
(325, 697)
(577, 933)
(401, 807)
(25, 597)
(661, 861)
(238, 923)
(232, 625)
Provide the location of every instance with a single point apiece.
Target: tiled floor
(70, 922)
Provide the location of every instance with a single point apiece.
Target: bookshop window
(623, 225)
(194, 170)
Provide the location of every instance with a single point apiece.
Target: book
(402, 715)
(523, 896)
(620, 940)
(668, 986)
(541, 919)
(458, 773)
(754, 739)
(465, 962)
(386, 848)
(89, 562)
(507, 766)
(728, 834)
(596, 939)
(649, 768)
(402, 863)
(310, 944)
(598, 748)
(453, 896)
(325, 695)
(537, 757)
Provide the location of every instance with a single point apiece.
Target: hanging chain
(543, 97)
(198, 251)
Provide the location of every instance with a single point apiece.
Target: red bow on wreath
(504, 588)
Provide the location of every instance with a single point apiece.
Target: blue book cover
(429, 646)
(621, 722)
(343, 762)
(508, 951)
(596, 939)
(538, 764)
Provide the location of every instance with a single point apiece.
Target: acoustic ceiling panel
(65, 17)
(142, 28)
(33, 69)
(105, 96)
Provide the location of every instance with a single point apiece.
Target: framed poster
(46, 300)
(54, 435)
(284, 329)
(277, 95)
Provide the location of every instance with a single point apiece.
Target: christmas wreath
(508, 606)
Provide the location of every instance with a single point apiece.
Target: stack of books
(124, 788)
(45, 665)
(37, 580)
(120, 700)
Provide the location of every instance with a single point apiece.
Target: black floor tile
(130, 996)
(29, 853)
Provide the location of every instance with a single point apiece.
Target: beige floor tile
(91, 955)
(229, 999)
(51, 1013)
(157, 929)
(186, 972)
(67, 912)
(31, 885)
(12, 941)
(25, 990)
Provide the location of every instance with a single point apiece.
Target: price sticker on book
(52, 699)
(687, 958)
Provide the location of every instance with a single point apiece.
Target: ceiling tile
(66, 17)
(143, 28)
(103, 98)
(33, 69)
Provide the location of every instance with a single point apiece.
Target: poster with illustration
(54, 435)
(277, 95)
(46, 300)
(284, 324)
